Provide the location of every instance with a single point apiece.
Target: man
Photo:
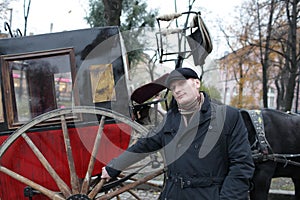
(207, 153)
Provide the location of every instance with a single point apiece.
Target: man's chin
(182, 102)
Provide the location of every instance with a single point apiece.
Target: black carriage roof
(79, 39)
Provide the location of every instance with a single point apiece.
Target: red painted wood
(20, 158)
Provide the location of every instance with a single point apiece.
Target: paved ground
(283, 185)
(142, 194)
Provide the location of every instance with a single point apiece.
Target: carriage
(66, 110)
(63, 112)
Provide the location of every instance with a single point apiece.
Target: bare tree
(240, 63)
(272, 30)
(292, 55)
(265, 51)
(286, 46)
(26, 9)
(281, 29)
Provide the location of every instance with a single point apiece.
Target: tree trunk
(292, 48)
(290, 92)
(265, 63)
(112, 12)
(241, 87)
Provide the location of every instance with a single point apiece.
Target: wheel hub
(79, 197)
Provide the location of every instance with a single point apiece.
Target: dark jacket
(221, 173)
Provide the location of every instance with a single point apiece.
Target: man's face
(185, 91)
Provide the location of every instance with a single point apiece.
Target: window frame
(10, 103)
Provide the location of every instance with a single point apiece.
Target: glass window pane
(21, 94)
(63, 89)
(38, 83)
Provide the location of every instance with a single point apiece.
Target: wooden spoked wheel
(77, 187)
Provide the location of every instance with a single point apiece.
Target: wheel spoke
(26, 181)
(96, 189)
(134, 195)
(86, 181)
(130, 185)
(74, 178)
(60, 183)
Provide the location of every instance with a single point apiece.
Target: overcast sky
(69, 14)
(61, 15)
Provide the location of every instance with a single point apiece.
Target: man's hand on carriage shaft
(105, 175)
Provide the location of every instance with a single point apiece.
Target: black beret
(181, 74)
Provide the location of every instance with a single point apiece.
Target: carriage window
(37, 83)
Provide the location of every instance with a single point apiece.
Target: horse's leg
(262, 180)
(297, 187)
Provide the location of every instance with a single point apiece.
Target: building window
(271, 98)
(234, 91)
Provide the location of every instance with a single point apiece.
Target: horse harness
(261, 149)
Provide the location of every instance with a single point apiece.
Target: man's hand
(105, 175)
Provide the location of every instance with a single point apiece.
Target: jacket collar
(204, 114)
(205, 110)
